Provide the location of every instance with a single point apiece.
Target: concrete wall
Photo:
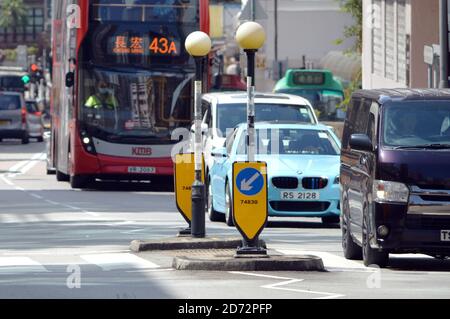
(424, 31)
(305, 27)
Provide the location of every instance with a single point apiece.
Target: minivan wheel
(61, 177)
(228, 207)
(372, 256)
(213, 215)
(40, 139)
(25, 138)
(351, 249)
(80, 181)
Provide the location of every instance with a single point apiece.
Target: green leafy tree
(355, 31)
(355, 9)
(13, 15)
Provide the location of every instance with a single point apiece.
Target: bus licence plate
(445, 235)
(300, 195)
(4, 122)
(141, 170)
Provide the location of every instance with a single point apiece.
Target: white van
(224, 111)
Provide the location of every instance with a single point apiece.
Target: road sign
(250, 198)
(428, 54)
(184, 178)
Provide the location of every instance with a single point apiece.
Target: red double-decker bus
(122, 82)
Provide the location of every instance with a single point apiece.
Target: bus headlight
(87, 143)
(390, 192)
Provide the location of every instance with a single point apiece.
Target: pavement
(56, 242)
(225, 254)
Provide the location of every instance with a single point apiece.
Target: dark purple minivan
(395, 174)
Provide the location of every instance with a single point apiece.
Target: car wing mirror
(361, 142)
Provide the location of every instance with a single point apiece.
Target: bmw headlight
(394, 192)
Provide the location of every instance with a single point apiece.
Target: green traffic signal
(26, 79)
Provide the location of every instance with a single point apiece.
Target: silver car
(20, 119)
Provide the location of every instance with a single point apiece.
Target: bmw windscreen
(293, 141)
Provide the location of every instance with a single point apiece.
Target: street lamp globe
(198, 44)
(250, 36)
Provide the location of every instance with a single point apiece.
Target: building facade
(302, 30)
(38, 13)
(395, 33)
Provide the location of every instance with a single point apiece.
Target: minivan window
(9, 102)
(352, 111)
(416, 124)
(230, 115)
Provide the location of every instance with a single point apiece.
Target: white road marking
(52, 202)
(24, 166)
(118, 261)
(62, 252)
(34, 160)
(16, 168)
(71, 207)
(7, 181)
(36, 196)
(9, 265)
(261, 275)
(47, 200)
(288, 281)
(90, 213)
(331, 262)
(150, 270)
(132, 231)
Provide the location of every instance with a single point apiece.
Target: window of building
(377, 39)
(29, 33)
(390, 40)
(402, 51)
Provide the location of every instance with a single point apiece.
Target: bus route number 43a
(163, 46)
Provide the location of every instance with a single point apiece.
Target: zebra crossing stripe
(118, 261)
(10, 265)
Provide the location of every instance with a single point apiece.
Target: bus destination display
(308, 78)
(139, 45)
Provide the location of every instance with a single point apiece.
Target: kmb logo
(141, 151)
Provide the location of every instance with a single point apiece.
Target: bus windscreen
(148, 11)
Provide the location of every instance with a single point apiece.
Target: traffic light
(26, 79)
(34, 68)
(35, 73)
